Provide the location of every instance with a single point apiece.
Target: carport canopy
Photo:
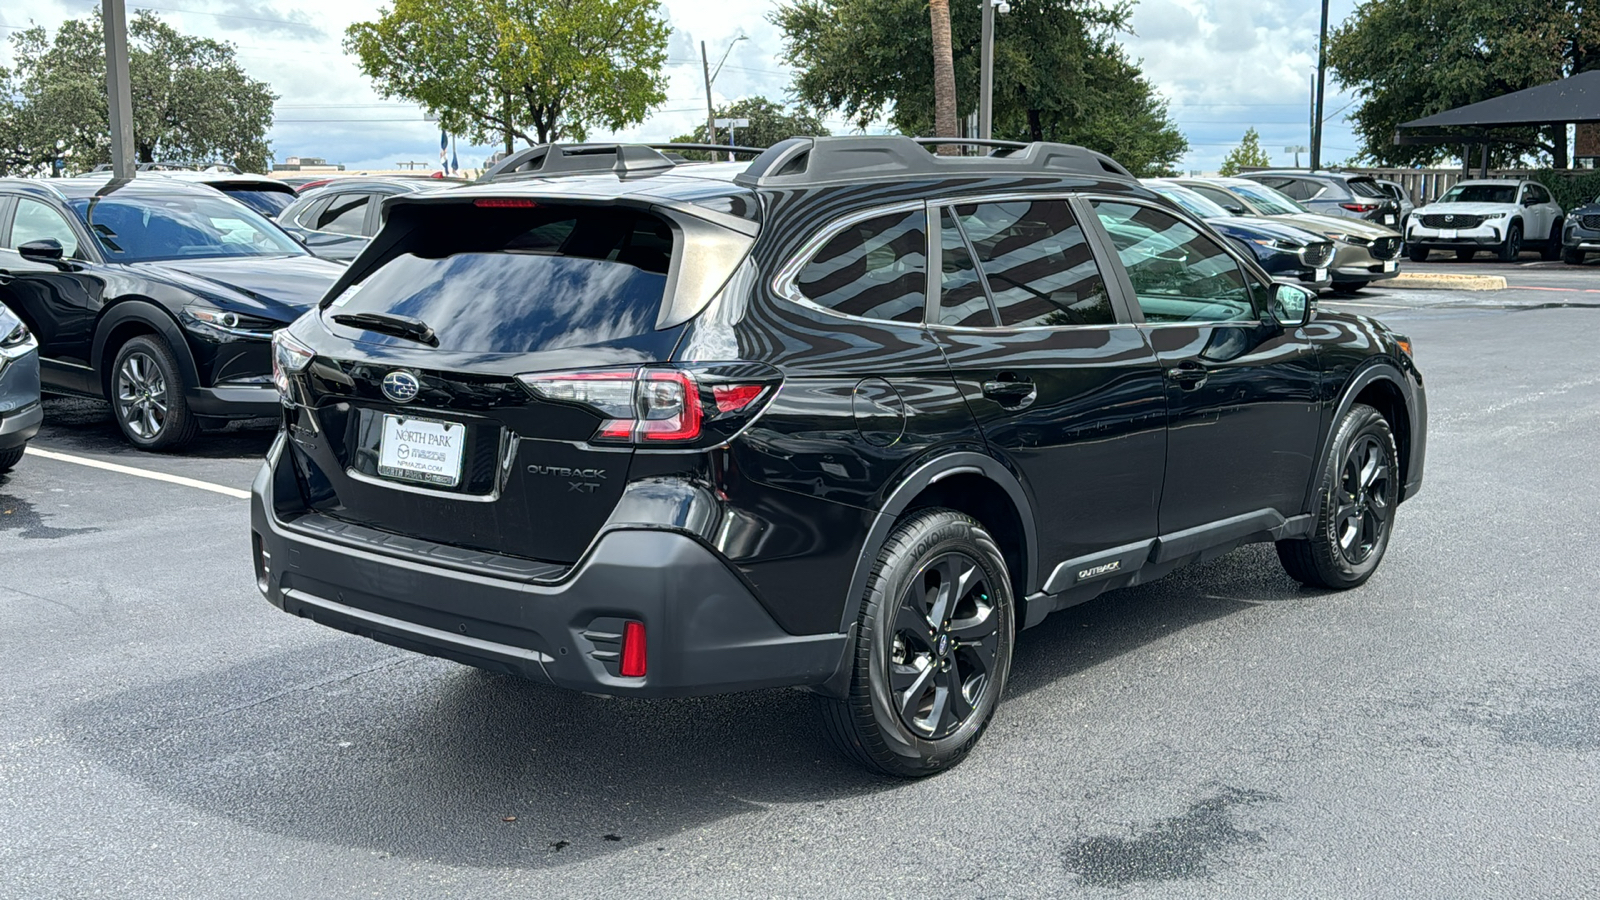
(1575, 98)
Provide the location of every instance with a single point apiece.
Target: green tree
(539, 70)
(1248, 153)
(192, 100)
(1060, 75)
(770, 122)
(1406, 59)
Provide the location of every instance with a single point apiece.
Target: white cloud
(1225, 65)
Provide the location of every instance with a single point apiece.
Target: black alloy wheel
(933, 648)
(147, 396)
(1356, 501)
(1512, 248)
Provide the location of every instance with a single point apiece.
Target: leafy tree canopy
(1248, 153)
(770, 122)
(539, 70)
(1407, 59)
(1059, 73)
(192, 101)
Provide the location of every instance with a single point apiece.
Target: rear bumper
(705, 630)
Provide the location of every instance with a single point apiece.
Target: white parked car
(1502, 216)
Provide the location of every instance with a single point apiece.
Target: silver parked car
(20, 409)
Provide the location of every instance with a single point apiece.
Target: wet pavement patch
(1174, 849)
(20, 516)
(1563, 719)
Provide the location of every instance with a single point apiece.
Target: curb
(1432, 281)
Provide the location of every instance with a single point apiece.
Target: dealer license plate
(1448, 234)
(1388, 220)
(1389, 265)
(1322, 275)
(421, 450)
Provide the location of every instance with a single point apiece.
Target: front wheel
(1551, 248)
(1572, 256)
(1512, 248)
(147, 396)
(1417, 254)
(10, 458)
(932, 652)
(1356, 501)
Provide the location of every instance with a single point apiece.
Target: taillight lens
(289, 357)
(1360, 207)
(647, 406)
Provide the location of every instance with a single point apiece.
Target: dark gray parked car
(336, 220)
(20, 409)
(1336, 194)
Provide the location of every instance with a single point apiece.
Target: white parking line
(141, 473)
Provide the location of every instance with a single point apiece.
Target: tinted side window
(1363, 188)
(876, 269)
(1217, 195)
(35, 222)
(962, 299)
(345, 215)
(1298, 189)
(1179, 274)
(1037, 263)
(1537, 194)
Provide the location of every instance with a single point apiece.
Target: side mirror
(1237, 210)
(1529, 201)
(1292, 305)
(48, 249)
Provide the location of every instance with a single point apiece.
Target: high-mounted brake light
(504, 202)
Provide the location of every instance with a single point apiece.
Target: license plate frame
(1321, 275)
(1447, 234)
(1390, 265)
(421, 450)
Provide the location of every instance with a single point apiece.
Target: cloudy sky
(1225, 65)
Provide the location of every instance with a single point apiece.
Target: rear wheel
(1551, 248)
(1417, 254)
(1512, 248)
(933, 648)
(1572, 256)
(1356, 502)
(147, 396)
(9, 458)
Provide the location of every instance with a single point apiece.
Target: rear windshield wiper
(389, 323)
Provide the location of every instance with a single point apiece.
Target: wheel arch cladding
(1384, 395)
(967, 482)
(129, 319)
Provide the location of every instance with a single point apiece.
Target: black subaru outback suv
(846, 417)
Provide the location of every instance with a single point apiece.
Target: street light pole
(705, 66)
(1322, 77)
(118, 92)
(986, 78)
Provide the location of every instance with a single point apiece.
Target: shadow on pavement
(76, 424)
(352, 743)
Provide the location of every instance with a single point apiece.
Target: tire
(10, 458)
(1512, 248)
(904, 655)
(1572, 256)
(1465, 255)
(1417, 254)
(1349, 496)
(1551, 248)
(147, 396)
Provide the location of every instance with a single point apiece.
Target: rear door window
(521, 280)
(875, 269)
(1037, 263)
(346, 214)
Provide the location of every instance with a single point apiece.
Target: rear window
(267, 202)
(521, 280)
(1362, 187)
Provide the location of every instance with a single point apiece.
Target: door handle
(1188, 375)
(1012, 392)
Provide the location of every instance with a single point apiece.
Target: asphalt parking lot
(1220, 733)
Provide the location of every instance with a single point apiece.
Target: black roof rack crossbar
(715, 148)
(544, 160)
(802, 161)
(970, 142)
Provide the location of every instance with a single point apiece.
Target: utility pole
(986, 78)
(1322, 77)
(711, 127)
(118, 92)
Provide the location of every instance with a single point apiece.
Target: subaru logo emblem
(944, 644)
(401, 387)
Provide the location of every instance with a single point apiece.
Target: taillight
(648, 406)
(1359, 207)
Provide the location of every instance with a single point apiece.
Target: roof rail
(546, 160)
(799, 161)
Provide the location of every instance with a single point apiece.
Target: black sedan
(1286, 252)
(159, 296)
(337, 219)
